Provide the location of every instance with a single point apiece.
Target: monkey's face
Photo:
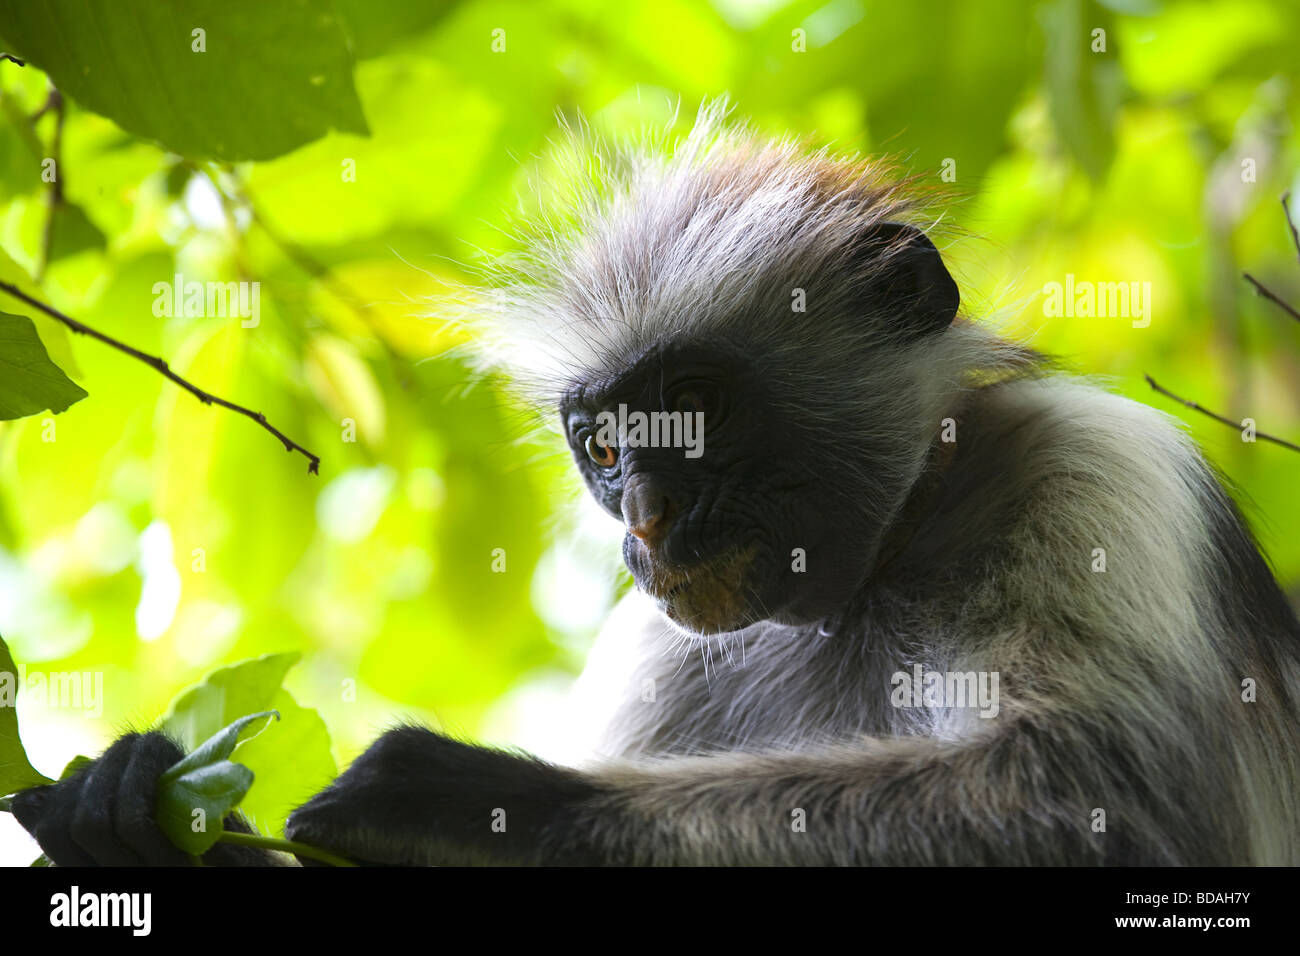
(733, 510)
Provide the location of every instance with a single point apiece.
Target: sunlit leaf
(290, 764)
(213, 750)
(16, 772)
(243, 79)
(346, 386)
(53, 334)
(225, 696)
(75, 764)
(371, 184)
(72, 232)
(1084, 80)
(29, 381)
(197, 792)
(375, 25)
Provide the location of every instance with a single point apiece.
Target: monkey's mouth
(711, 597)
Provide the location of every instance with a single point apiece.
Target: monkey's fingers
(103, 815)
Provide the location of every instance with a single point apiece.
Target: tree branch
(53, 103)
(1272, 297)
(1290, 224)
(1217, 417)
(207, 398)
(1264, 290)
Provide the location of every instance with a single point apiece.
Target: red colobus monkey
(891, 513)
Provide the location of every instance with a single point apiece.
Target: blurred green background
(358, 160)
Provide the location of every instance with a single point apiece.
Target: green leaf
(217, 747)
(16, 772)
(269, 76)
(215, 789)
(54, 334)
(226, 695)
(376, 25)
(72, 232)
(20, 150)
(29, 381)
(178, 174)
(75, 764)
(204, 780)
(1083, 86)
(290, 764)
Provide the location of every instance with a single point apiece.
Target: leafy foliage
(292, 762)
(197, 793)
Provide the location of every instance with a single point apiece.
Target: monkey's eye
(689, 402)
(603, 455)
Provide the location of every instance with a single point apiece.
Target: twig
(1290, 224)
(282, 846)
(1271, 296)
(1217, 417)
(1263, 290)
(54, 102)
(153, 361)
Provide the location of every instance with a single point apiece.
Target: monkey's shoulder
(1065, 498)
(1075, 458)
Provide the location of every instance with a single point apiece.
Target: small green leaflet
(206, 781)
(294, 760)
(29, 381)
(75, 764)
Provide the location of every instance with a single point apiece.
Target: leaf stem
(254, 839)
(283, 846)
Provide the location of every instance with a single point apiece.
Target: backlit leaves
(197, 792)
(29, 381)
(16, 771)
(225, 79)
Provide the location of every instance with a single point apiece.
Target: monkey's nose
(647, 511)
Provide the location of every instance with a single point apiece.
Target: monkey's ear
(913, 277)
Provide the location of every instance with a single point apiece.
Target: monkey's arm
(1017, 796)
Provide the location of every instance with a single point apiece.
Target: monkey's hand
(105, 813)
(418, 798)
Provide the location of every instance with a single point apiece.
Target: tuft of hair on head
(710, 236)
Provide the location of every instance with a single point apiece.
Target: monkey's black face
(734, 512)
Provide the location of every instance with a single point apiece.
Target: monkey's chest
(761, 701)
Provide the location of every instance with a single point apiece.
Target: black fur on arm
(416, 797)
(419, 798)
